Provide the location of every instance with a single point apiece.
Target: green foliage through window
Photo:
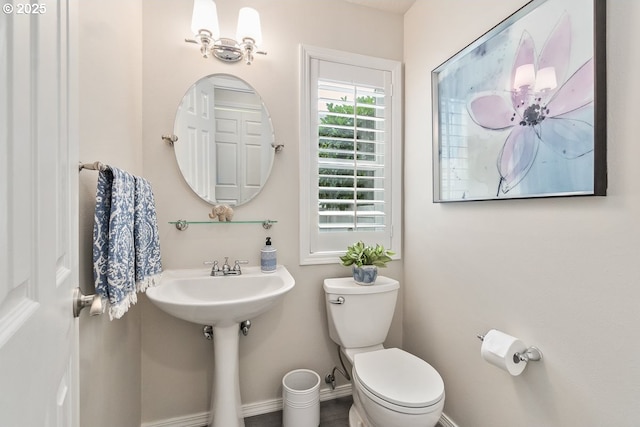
(351, 158)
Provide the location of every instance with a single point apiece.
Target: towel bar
(96, 166)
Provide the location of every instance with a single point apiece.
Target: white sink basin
(223, 302)
(195, 296)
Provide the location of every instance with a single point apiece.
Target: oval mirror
(225, 140)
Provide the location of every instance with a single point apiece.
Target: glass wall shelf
(183, 224)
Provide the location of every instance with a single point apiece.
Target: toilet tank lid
(346, 285)
(399, 377)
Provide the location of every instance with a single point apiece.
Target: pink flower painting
(547, 103)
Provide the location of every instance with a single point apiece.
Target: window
(454, 150)
(350, 153)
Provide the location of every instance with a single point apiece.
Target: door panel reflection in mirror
(225, 146)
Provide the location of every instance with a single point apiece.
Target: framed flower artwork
(521, 111)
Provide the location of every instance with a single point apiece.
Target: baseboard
(194, 420)
(446, 421)
(248, 410)
(340, 391)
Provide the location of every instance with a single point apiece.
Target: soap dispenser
(268, 259)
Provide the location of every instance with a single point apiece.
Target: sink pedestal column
(226, 406)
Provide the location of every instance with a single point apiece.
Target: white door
(38, 215)
(194, 147)
(238, 138)
(228, 138)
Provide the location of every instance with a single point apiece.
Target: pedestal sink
(223, 302)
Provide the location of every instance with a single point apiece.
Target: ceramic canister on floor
(301, 399)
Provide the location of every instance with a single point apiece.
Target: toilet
(391, 388)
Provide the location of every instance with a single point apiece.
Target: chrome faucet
(226, 269)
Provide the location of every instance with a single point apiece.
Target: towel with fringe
(126, 246)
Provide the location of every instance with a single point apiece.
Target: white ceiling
(395, 6)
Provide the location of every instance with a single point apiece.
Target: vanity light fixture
(206, 33)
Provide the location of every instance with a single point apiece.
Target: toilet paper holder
(532, 354)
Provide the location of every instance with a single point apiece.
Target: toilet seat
(398, 380)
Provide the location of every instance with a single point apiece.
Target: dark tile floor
(333, 413)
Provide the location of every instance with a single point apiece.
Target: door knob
(81, 301)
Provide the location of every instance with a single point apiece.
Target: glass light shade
(546, 79)
(525, 76)
(249, 25)
(205, 17)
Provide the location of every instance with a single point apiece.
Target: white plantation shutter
(350, 155)
(351, 158)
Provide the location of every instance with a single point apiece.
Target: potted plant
(365, 261)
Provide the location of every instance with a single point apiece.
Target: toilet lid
(399, 377)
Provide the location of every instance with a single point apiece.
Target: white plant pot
(365, 275)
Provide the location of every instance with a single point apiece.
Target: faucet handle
(226, 266)
(236, 266)
(214, 264)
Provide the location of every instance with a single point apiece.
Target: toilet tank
(364, 317)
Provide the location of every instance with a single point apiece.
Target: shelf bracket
(182, 224)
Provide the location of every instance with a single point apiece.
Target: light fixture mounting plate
(227, 50)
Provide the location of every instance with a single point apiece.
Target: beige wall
(565, 281)
(176, 359)
(110, 89)
(149, 366)
(560, 273)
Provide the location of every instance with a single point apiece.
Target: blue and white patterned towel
(145, 236)
(126, 248)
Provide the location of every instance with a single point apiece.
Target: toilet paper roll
(499, 349)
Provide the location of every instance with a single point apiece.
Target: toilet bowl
(395, 388)
(391, 387)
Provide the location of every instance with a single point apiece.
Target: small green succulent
(360, 254)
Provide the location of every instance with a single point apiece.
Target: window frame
(307, 163)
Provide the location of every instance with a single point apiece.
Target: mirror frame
(267, 140)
